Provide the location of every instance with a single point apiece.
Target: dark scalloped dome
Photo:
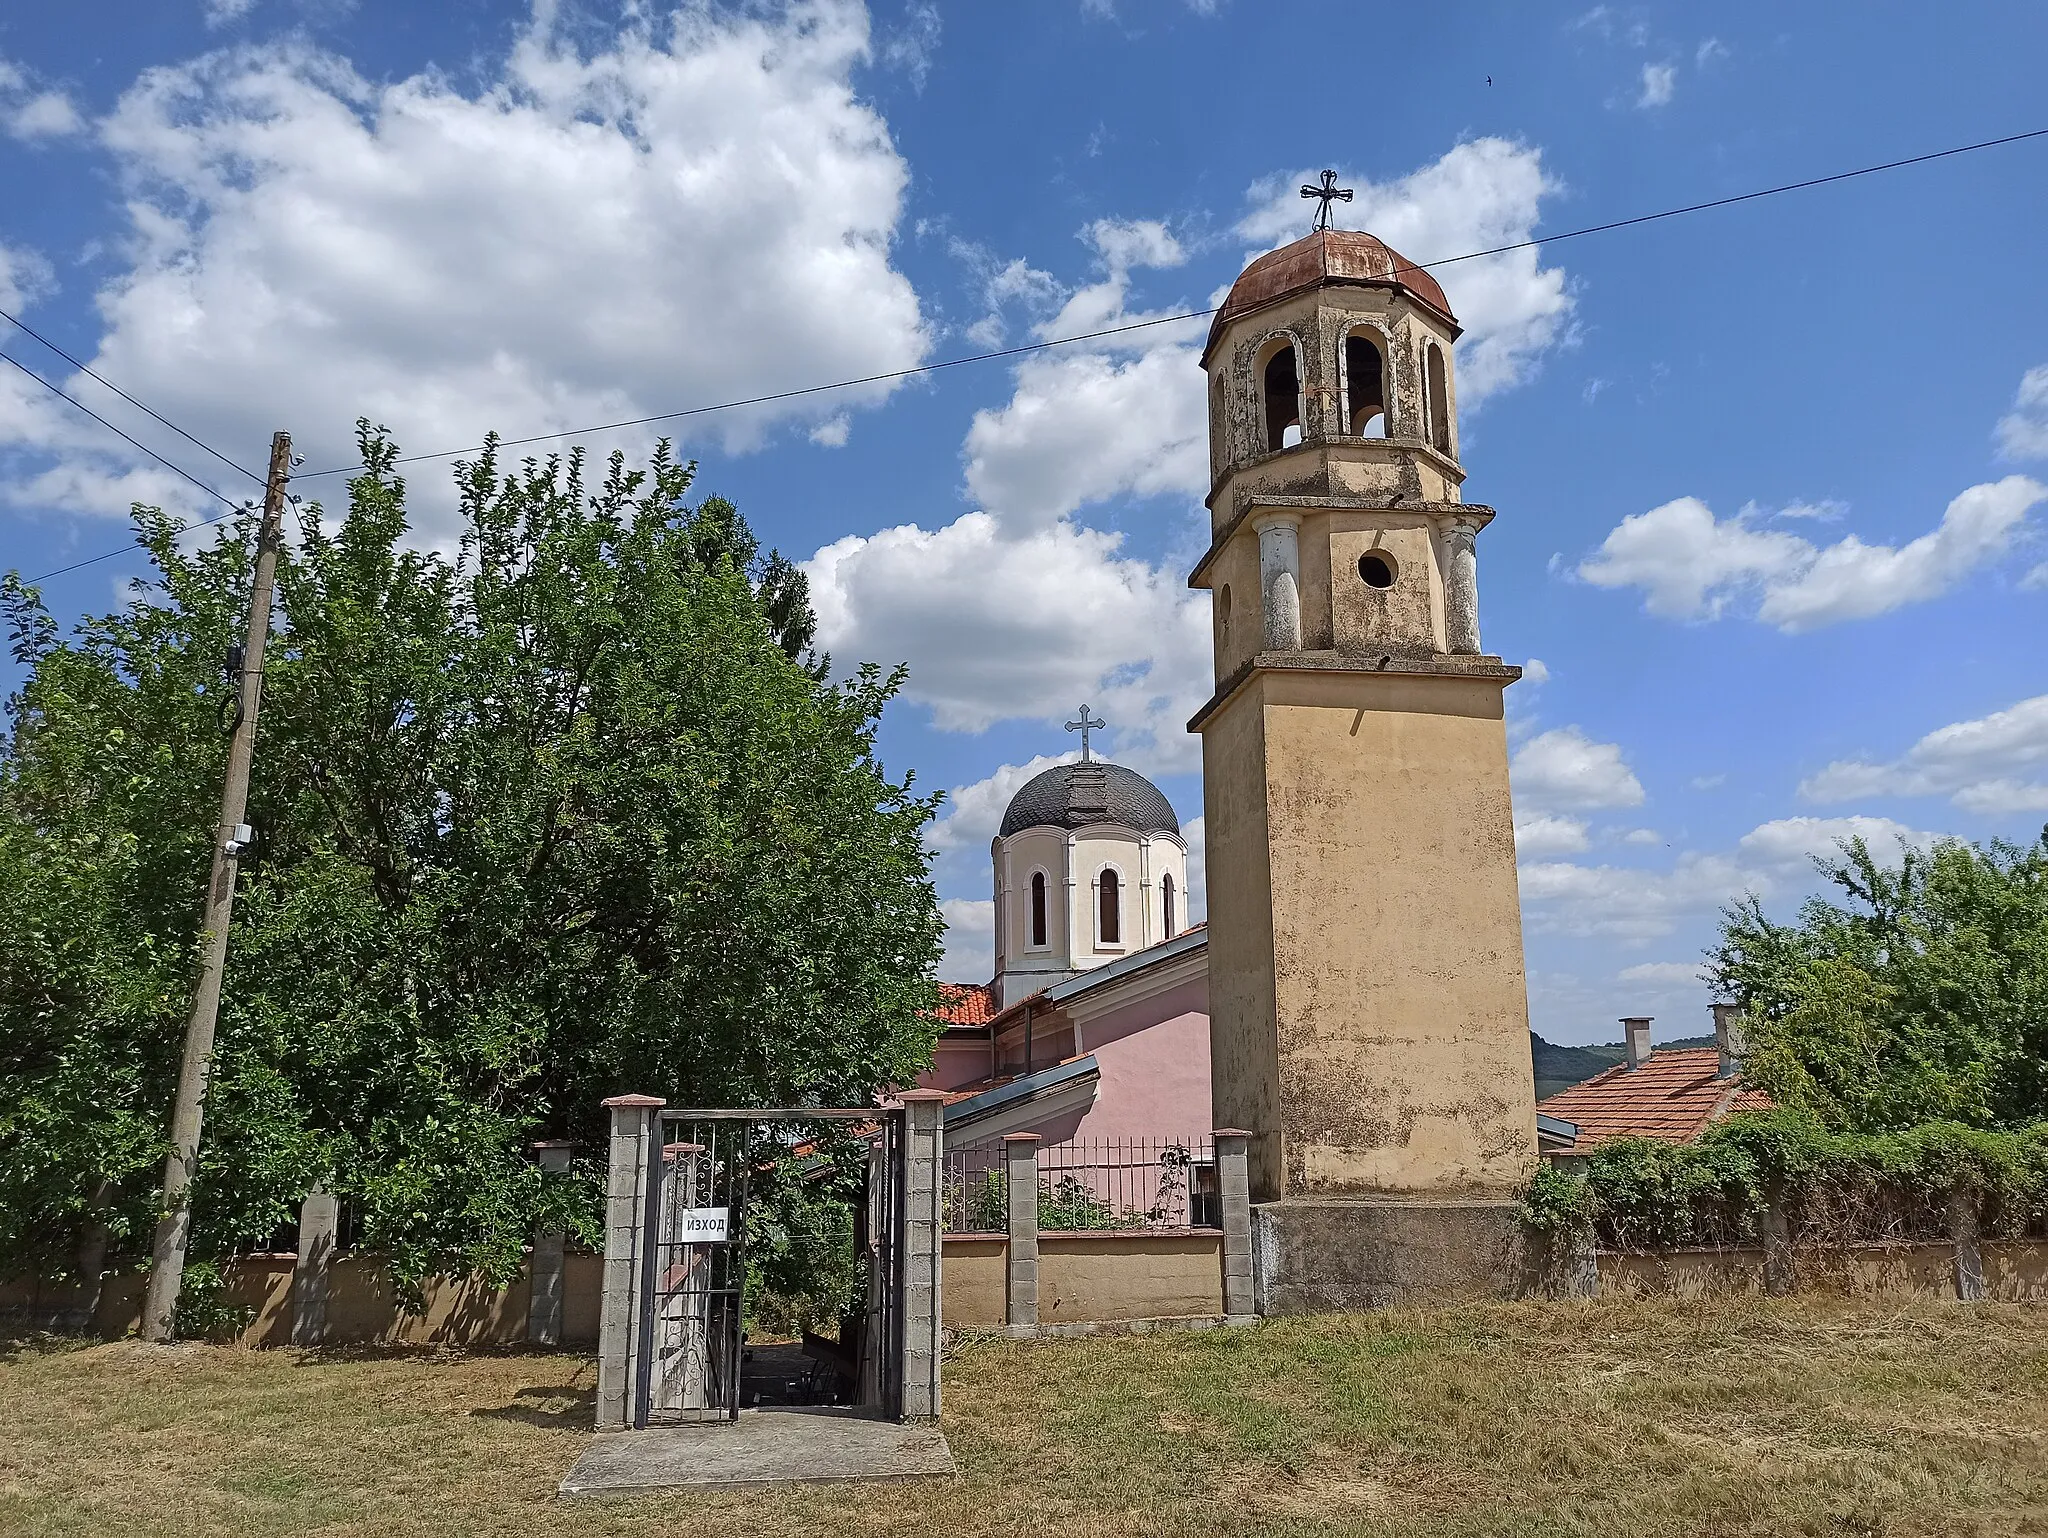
(1077, 795)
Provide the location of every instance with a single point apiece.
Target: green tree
(1923, 997)
(572, 812)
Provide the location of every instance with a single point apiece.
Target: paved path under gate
(793, 1445)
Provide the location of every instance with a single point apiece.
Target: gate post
(1234, 1191)
(924, 1227)
(544, 1271)
(635, 1119)
(1020, 1178)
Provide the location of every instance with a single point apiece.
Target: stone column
(1020, 1174)
(1233, 1182)
(1729, 1040)
(1280, 579)
(629, 1188)
(544, 1273)
(1963, 1225)
(319, 1217)
(1461, 586)
(924, 1227)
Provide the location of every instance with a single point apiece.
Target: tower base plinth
(1326, 1254)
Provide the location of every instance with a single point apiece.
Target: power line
(946, 363)
(22, 325)
(1187, 315)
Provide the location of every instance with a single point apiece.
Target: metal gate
(704, 1174)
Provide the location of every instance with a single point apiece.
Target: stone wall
(2014, 1271)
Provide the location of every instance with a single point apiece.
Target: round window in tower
(1376, 568)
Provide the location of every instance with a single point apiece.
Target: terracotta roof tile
(1673, 1097)
(966, 1003)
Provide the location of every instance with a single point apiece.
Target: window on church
(1110, 895)
(1283, 400)
(1439, 402)
(1166, 903)
(1365, 398)
(1038, 907)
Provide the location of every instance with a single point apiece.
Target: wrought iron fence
(1090, 1184)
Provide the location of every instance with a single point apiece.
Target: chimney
(1728, 1037)
(1635, 1035)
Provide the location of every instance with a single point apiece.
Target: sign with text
(702, 1225)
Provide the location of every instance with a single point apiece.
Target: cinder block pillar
(1233, 1181)
(1020, 1173)
(319, 1217)
(1964, 1222)
(629, 1188)
(924, 1227)
(544, 1296)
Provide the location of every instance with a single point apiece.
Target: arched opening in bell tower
(1038, 926)
(1166, 903)
(1365, 388)
(1280, 378)
(1439, 402)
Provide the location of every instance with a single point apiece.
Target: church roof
(1079, 795)
(1315, 261)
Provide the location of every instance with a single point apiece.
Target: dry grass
(1616, 1418)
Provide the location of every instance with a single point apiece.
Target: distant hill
(1559, 1068)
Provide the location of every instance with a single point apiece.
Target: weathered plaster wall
(1399, 997)
(2015, 1271)
(1243, 1051)
(975, 1295)
(362, 1307)
(1109, 1277)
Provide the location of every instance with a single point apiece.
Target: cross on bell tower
(1330, 193)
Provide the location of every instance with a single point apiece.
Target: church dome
(1324, 258)
(1077, 795)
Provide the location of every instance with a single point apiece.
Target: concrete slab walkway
(794, 1445)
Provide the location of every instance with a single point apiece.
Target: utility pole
(188, 1115)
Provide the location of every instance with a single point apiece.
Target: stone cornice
(1432, 665)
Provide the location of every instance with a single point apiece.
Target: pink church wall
(954, 1064)
(1154, 1059)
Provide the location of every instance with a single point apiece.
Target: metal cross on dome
(1084, 726)
(1330, 193)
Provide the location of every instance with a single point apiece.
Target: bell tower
(1368, 1007)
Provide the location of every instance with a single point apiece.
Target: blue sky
(1769, 479)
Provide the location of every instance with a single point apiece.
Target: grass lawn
(1612, 1418)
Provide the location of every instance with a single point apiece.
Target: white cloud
(1564, 769)
(2023, 434)
(1668, 973)
(1534, 673)
(1691, 565)
(1643, 836)
(1988, 765)
(833, 432)
(912, 47)
(1659, 81)
(970, 955)
(220, 12)
(2036, 581)
(25, 277)
(30, 113)
(691, 210)
(1482, 194)
(1709, 52)
(997, 628)
(1197, 835)
(1708, 781)
(1637, 905)
(1541, 837)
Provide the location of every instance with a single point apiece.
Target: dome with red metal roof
(1325, 258)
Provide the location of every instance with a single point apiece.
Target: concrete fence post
(635, 1139)
(1020, 1173)
(1779, 1275)
(319, 1217)
(1233, 1184)
(924, 1227)
(544, 1273)
(1964, 1224)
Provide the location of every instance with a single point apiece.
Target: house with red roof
(1673, 1095)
